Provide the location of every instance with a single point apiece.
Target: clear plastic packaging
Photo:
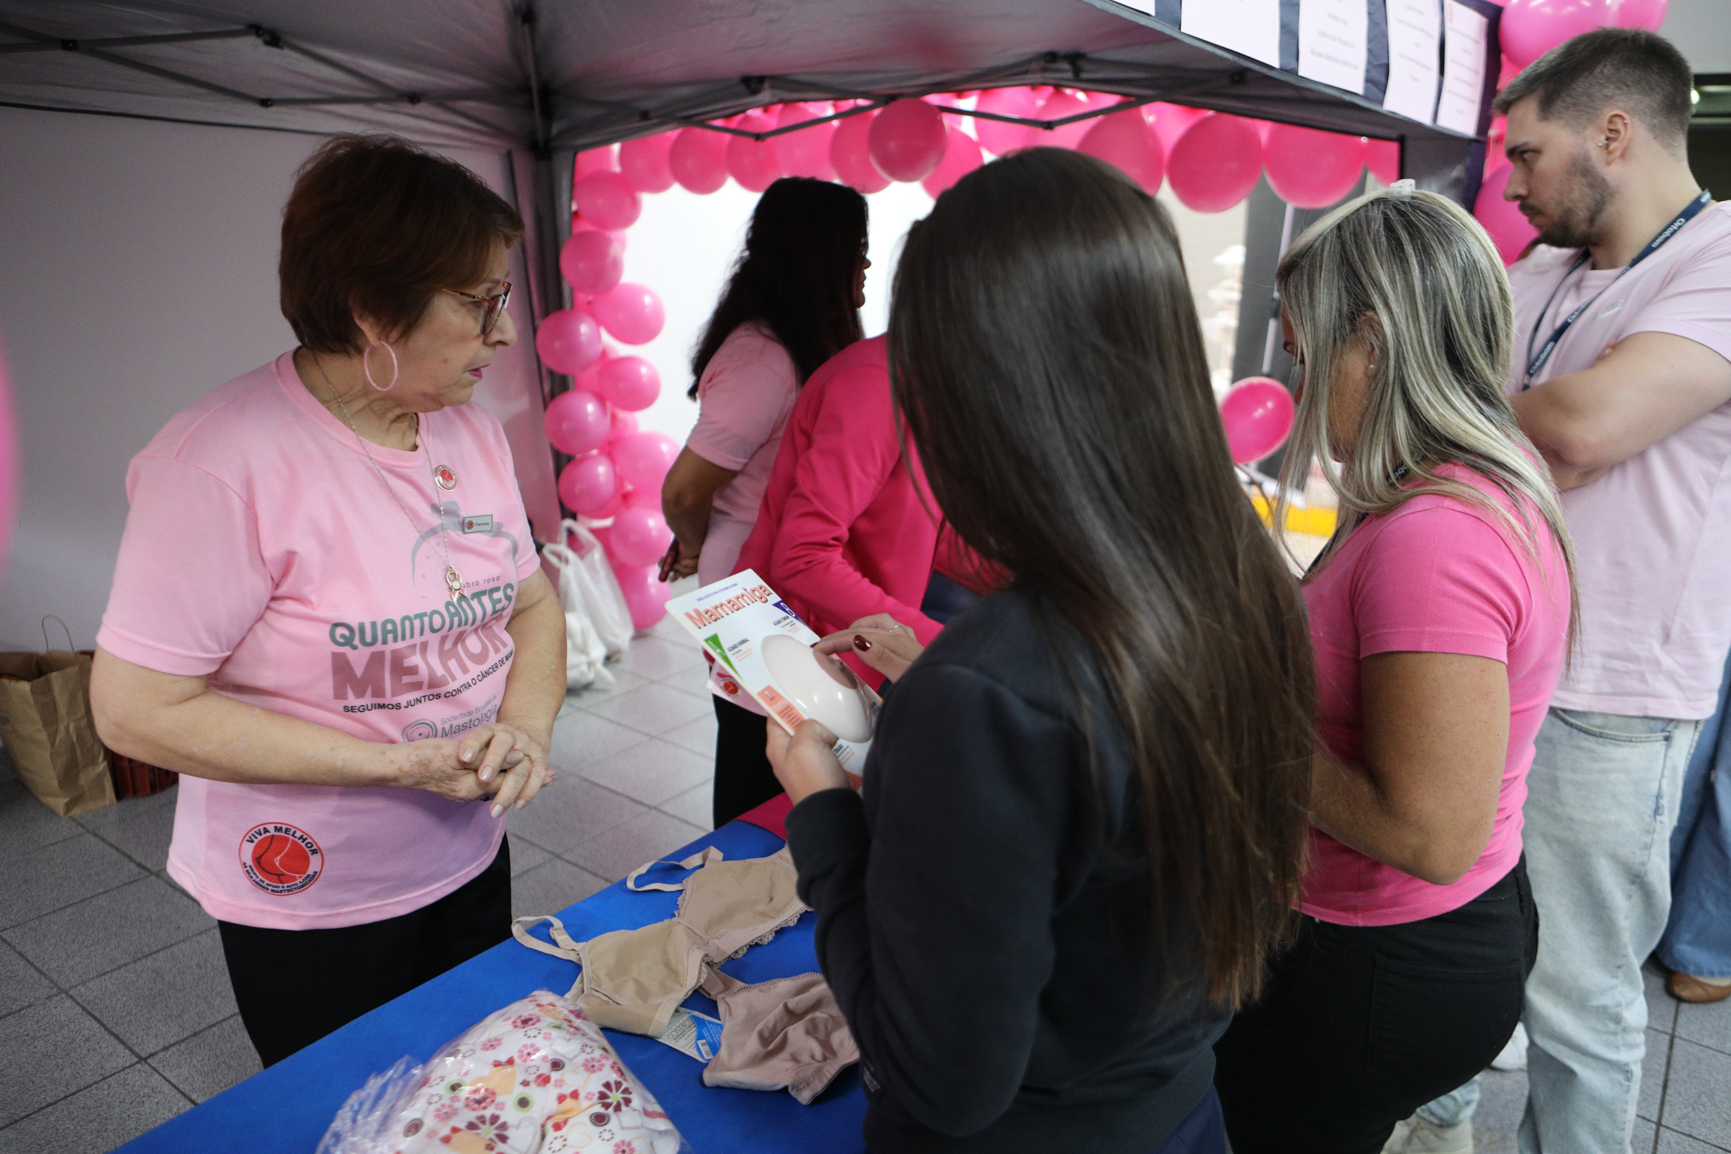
(537, 1077)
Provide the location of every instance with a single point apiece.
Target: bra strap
(565, 948)
(702, 858)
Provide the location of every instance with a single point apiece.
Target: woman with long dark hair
(791, 304)
(1083, 814)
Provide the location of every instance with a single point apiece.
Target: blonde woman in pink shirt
(328, 613)
(1439, 616)
(792, 303)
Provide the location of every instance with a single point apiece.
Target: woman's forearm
(179, 723)
(1349, 805)
(535, 688)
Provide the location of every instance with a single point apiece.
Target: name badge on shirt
(479, 523)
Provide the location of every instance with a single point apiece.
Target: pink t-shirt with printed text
(1437, 575)
(263, 551)
(1653, 535)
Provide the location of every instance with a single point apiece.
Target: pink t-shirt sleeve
(191, 581)
(1695, 302)
(1439, 579)
(745, 399)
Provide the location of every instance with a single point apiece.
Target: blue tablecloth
(285, 1109)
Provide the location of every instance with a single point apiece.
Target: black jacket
(983, 911)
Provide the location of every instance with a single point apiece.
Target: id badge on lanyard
(1535, 362)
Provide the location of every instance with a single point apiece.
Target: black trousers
(743, 777)
(1360, 1025)
(296, 986)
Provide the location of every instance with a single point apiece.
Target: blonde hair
(1415, 282)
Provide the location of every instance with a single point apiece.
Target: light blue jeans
(1601, 802)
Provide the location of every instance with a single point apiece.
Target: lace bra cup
(786, 1033)
(633, 980)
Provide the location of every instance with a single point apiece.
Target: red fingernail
(861, 644)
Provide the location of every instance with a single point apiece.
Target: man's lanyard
(1535, 363)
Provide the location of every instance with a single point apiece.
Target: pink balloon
(630, 313)
(623, 425)
(630, 383)
(1215, 163)
(806, 152)
(1510, 230)
(997, 137)
(961, 156)
(1531, 28)
(588, 485)
(1170, 120)
(645, 597)
(850, 152)
(648, 498)
(1125, 140)
(569, 341)
(606, 513)
(643, 162)
(576, 422)
(1382, 157)
(592, 261)
(1308, 168)
(640, 535)
(8, 467)
(1257, 413)
(643, 459)
(698, 160)
(1648, 14)
(595, 160)
(753, 162)
(608, 199)
(907, 140)
(1060, 104)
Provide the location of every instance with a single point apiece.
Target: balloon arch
(1210, 160)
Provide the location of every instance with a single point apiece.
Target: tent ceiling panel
(465, 71)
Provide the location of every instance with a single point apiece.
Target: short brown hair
(377, 226)
(1580, 78)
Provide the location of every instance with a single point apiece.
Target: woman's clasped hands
(805, 761)
(502, 761)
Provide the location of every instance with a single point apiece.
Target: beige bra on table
(634, 979)
(787, 1032)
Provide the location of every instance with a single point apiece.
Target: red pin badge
(446, 477)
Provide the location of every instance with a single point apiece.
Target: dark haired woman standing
(1075, 842)
(793, 303)
(300, 626)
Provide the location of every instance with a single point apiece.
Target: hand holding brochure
(745, 625)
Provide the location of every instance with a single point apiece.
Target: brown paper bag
(46, 724)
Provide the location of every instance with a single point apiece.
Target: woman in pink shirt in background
(1440, 615)
(792, 303)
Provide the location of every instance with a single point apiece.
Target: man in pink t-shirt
(1622, 378)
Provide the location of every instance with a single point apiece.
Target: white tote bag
(597, 622)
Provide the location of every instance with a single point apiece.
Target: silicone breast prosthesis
(824, 689)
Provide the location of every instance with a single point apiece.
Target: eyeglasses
(494, 305)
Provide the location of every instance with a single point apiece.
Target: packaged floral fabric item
(537, 1077)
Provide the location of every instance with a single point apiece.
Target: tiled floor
(115, 1010)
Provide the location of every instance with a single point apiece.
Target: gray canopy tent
(543, 80)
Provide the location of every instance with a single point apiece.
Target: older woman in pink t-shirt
(328, 613)
(793, 303)
(1439, 616)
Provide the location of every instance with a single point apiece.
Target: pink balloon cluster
(1531, 28)
(619, 481)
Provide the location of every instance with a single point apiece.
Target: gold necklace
(453, 580)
